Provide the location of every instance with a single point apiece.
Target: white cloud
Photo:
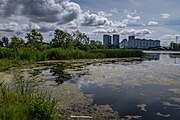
(12, 26)
(17, 27)
(105, 31)
(88, 19)
(133, 18)
(165, 15)
(93, 19)
(141, 32)
(73, 25)
(104, 14)
(152, 23)
(117, 24)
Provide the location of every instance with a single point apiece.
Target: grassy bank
(65, 54)
(26, 104)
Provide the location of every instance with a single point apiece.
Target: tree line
(61, 39)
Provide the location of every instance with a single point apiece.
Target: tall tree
(80, 39)
(62, 39)
(16, 43)
(5, 41)
(35, 39)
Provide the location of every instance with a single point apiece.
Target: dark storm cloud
(51, 11)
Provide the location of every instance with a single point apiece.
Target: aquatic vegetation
(175, 99)
(142, 107)
(163, 115)
(129, 117)
(170, 104)
(175, 90)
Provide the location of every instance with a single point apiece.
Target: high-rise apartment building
(107, 40)
(116, 41)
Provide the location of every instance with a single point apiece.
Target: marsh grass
(31, 54)
(118, 53)
(25, 103)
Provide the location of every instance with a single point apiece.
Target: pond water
(147, 90)
(150, 89)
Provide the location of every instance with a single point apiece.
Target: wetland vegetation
(23, 100)
(60, 81)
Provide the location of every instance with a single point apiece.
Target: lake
(146, 90)
(150, 89)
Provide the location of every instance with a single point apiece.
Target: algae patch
(175, 90)
(175, 99)
(142, 107)
(129, 117)
(162, 115)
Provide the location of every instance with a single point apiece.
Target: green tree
(62, 39)
(5, 41)
(35, 39)
(16, 43)
(80, 39)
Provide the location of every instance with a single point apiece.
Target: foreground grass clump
(26, 106)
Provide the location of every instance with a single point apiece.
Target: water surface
(148, 89)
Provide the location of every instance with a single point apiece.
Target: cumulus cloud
(165, 15)
(93, 19)
(152, 23)
(133, 18)
(117, 24)
(16, 27)
(104, 14)
(99, 20)
(51, 11)
(141, 32)
(105, 31)
(73, 25)
(11, 27)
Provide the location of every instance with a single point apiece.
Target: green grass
(63, 54)
(119, 53)
(30, 54)
(26, 104)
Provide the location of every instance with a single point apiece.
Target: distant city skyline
(130, 42)
(155, 19)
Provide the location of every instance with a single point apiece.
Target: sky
(151, 19)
